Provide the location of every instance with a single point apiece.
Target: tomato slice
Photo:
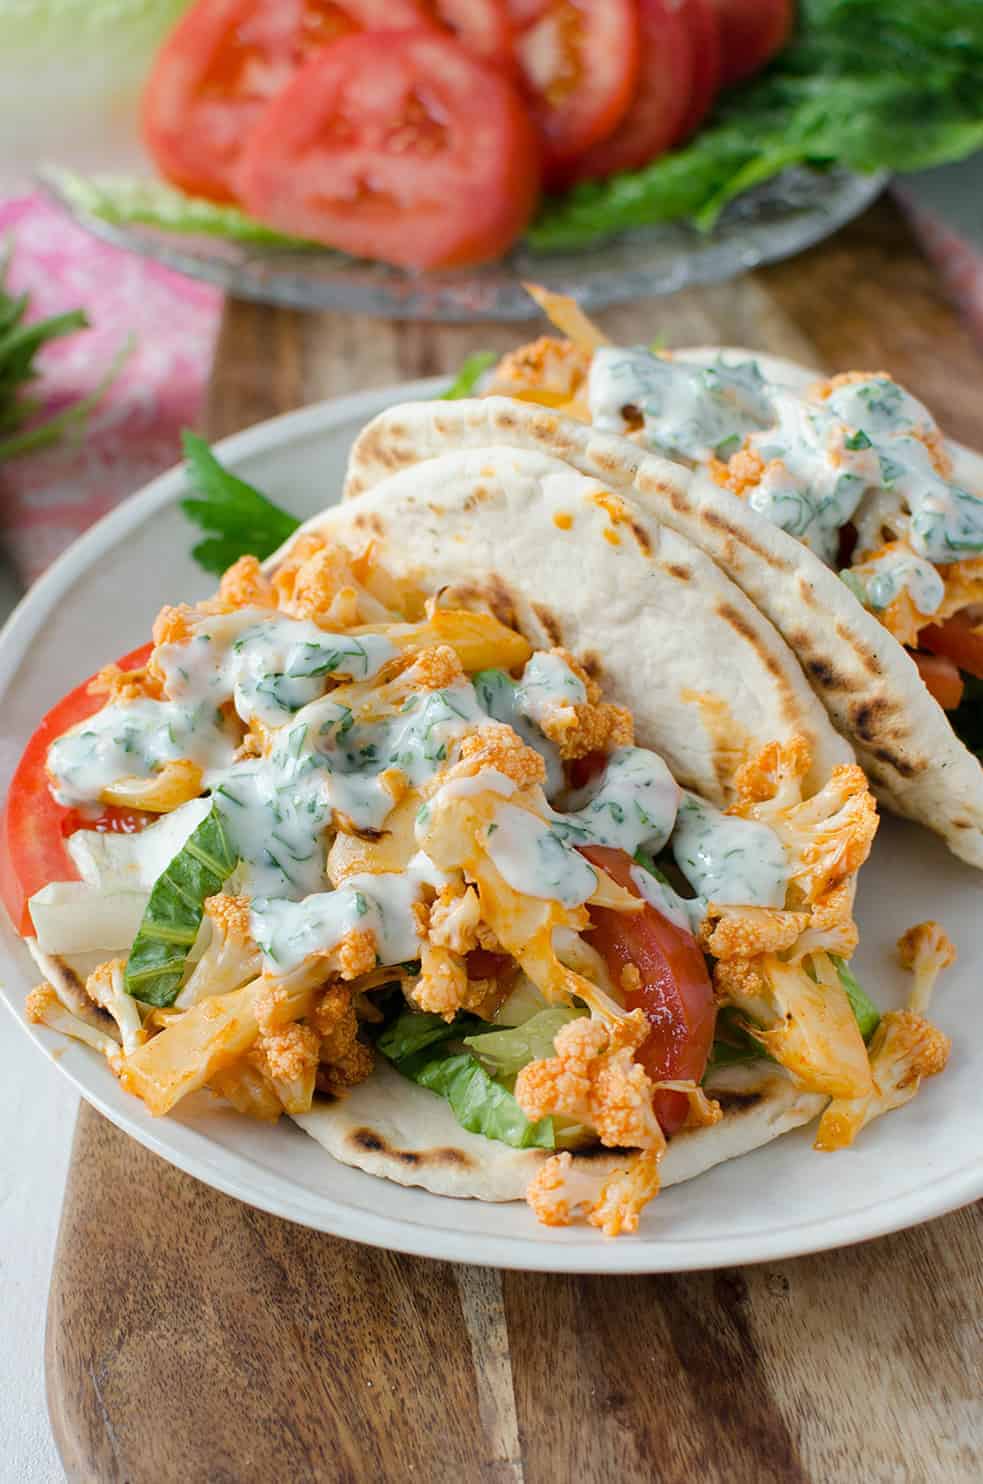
(481, 26)
(675, 992)
(658, 111)
(224, 61)
(700, 18)
(942, 678)
(959, 640)
(396, 146)
(751, 32)
(34, 825)
(579, 61)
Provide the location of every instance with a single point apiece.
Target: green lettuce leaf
(416, 1044)
(124, 202)
(242, 521)
(504, 1053)
(967, 719)
(170, 924)
(863, 85)
(470, 374)
(866, 1013)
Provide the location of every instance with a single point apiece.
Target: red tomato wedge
(942, 678)
(675, 993)
(957, 639)
(751, 32)
(396, 146)
(579, 61)
(481, 26)
(659, 108)
(700, 18)
(224, 61)
(34, 825)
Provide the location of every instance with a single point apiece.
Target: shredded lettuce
(242, 521)
(170, 924)
(504, 1053)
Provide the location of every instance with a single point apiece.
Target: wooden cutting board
(192, 1340)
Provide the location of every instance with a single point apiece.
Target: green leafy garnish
(124, 202)
(417, 1045)
(244, 522)
(866, 1013)
(170, 924)
(505, 1052)
(470, 374)
(21, 429)
(863, 85)
(733, 1042)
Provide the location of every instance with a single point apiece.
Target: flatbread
(568, 562)
(393, 1128)
(869, 684)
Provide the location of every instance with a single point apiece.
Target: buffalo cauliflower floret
(581, 727)
(43, 1007)
(288, 1056)
(231, 958)
(593, 1079)
(106, 985)
(742, 932)
(345, 1060)
(550, 371)
(307, 545)
(926, 950)
(905, 1049)
(828, 836)
(497, 746)
(742, 472)
(805, 1023)
(244, 585)
(562, 1190)
(454, 919)
(126, 685)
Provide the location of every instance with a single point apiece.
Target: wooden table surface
(192, 1339)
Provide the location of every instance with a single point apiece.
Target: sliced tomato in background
(221, 65)
(658, 111)
(675, 992)
(481, 26)
(958, 639)
(34, 824)
(579, 62)
(942, 679)
(399, 146)
(700, 19)
(751, 32)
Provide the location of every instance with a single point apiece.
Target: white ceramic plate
(98, 601)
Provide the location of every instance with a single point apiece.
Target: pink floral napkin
(48, 499)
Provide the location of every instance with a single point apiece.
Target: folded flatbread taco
(399, 835)
(836, 506)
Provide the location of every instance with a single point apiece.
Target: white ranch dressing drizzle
(686, 913)
(858, 453)
(130, 740)
(688, 411)
(506, 701)
(729, 860)
(267, 664)
(289, 932)
(886, 577)
(634, 804)
(536, 860)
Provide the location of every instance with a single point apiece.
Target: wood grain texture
(191, 1339)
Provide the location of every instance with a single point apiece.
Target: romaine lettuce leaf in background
(71, 72)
